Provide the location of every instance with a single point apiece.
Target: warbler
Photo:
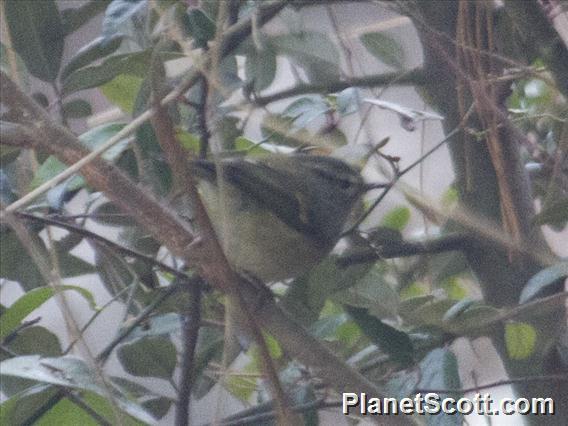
(277, 216)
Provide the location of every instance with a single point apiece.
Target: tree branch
(191, 322)
(415, 77)
(406, 248)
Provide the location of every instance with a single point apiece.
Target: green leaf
(92, 139)
(542, 280)
(555, 214)
(396, 218)
(109, 214)
(13, 264)
(306, 295)
(95, 50)
(312, 51)
(37, 35)
(77, 108)
(18, 409)
(20, 70)
(439, 370)
(454, 289)
(50, 168)
(209, 348)
(243, 386)
(35, 340)
(149, 357)
(122, 91)
(326, 327)
(520, 340)
(99, 135)
(251, 147)
(113, 271)
(389, 340)
(75, 18)
(371, 291)
(424, 310)
(69, 372)
(159, 407)
(32, 300)
(136, 64)
(156, 326)
(200, 26)
(260, 67)
(384, 48)
(30, 340)
(470, 319)
(66, 412)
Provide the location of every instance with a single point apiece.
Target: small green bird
(277, 216)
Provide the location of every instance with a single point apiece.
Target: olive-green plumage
(277, 216)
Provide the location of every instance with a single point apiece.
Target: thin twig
(415, 77)
(191, 322)
(406, 249)
(529, 379)
(104, 241)
(175, 286)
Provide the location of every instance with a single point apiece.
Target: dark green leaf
(18, 409)
(77, 108)
(28, 341)
(555, 214)
(156, 172)
(542, 281)
(136, 64)
(371, 292)
(74, 18)
(385, 48)
(15, 264)
(389, 340)
(109, 214)
(41, 99)
(7, 195)
(159, 407)
(306, 295)
(439, 370)
(149, 357)
(200, 27)
(260, 67)
(209, 348)
(37, 35)
(113, 270)
(312, 51)
(425, 310)
(96, 49)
